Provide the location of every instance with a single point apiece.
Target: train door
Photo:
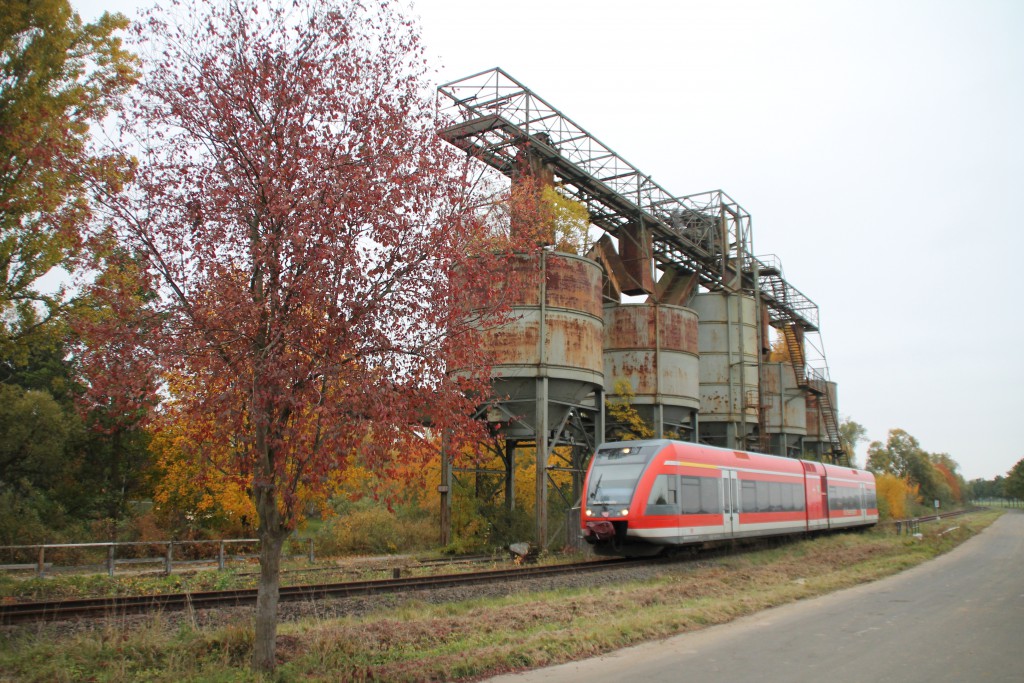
(826, 513)
(816, 514)
(731, 500)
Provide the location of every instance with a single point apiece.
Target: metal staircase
(794, 330)
(829, 416)
(793, 336)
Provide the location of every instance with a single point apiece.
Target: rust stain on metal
(574, 342)
(573, 283)
(655, 349)
(643, 326)
(572, 321)
(814, 427)
(514, 343)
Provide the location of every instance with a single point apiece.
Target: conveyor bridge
(495, 116)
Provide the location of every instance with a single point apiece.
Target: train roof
(829, 469)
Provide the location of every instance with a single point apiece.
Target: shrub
(28, 516)
(373, 529)
(895, 495)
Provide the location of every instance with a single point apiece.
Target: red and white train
(643, 496)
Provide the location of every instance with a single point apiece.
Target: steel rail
(121, 605)
(937, 517)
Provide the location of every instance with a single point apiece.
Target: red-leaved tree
(302, 224)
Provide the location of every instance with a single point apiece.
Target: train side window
(690, 490)
(763, 497)
(775, 496)
(710, 498)
(659, 491)
(748, 494)
(663, 499)
(798, 497)
(843, 498)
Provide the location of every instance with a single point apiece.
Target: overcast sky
(878, 146)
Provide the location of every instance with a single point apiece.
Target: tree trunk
(272, 536)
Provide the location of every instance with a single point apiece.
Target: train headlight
(590, 513)
(624, 513)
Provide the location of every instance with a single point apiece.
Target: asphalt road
(957, 618)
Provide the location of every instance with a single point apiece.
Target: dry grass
(475, 638)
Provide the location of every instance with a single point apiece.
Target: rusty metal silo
(555, 335)
(654, 349)
(729, 355)
(785, 406)
(548, 369)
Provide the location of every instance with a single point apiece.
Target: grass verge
(414, 641)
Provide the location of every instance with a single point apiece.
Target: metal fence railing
(97, 557)
(1001, 502)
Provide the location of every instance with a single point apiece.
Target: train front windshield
(614, 475)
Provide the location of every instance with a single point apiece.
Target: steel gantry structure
(699, 239)
(707, 233)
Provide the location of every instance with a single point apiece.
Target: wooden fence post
(220, 556)
(170, 557)
(110, 560)
(41, 566)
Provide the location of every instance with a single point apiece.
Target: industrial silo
(729, 348)
(548, 369)
(554, 337)
(785, 406)
(653, 348)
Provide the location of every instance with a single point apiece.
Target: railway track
(116, 606)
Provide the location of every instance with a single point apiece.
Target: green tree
(895, 455)
(1014, 484)
(850, 434)
(33, 432)
(34, 435)
(58, 78)
(932, 484)
(55, 455)
(901, 455)
(978, 489)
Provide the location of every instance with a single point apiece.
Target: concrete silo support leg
(542, 462)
